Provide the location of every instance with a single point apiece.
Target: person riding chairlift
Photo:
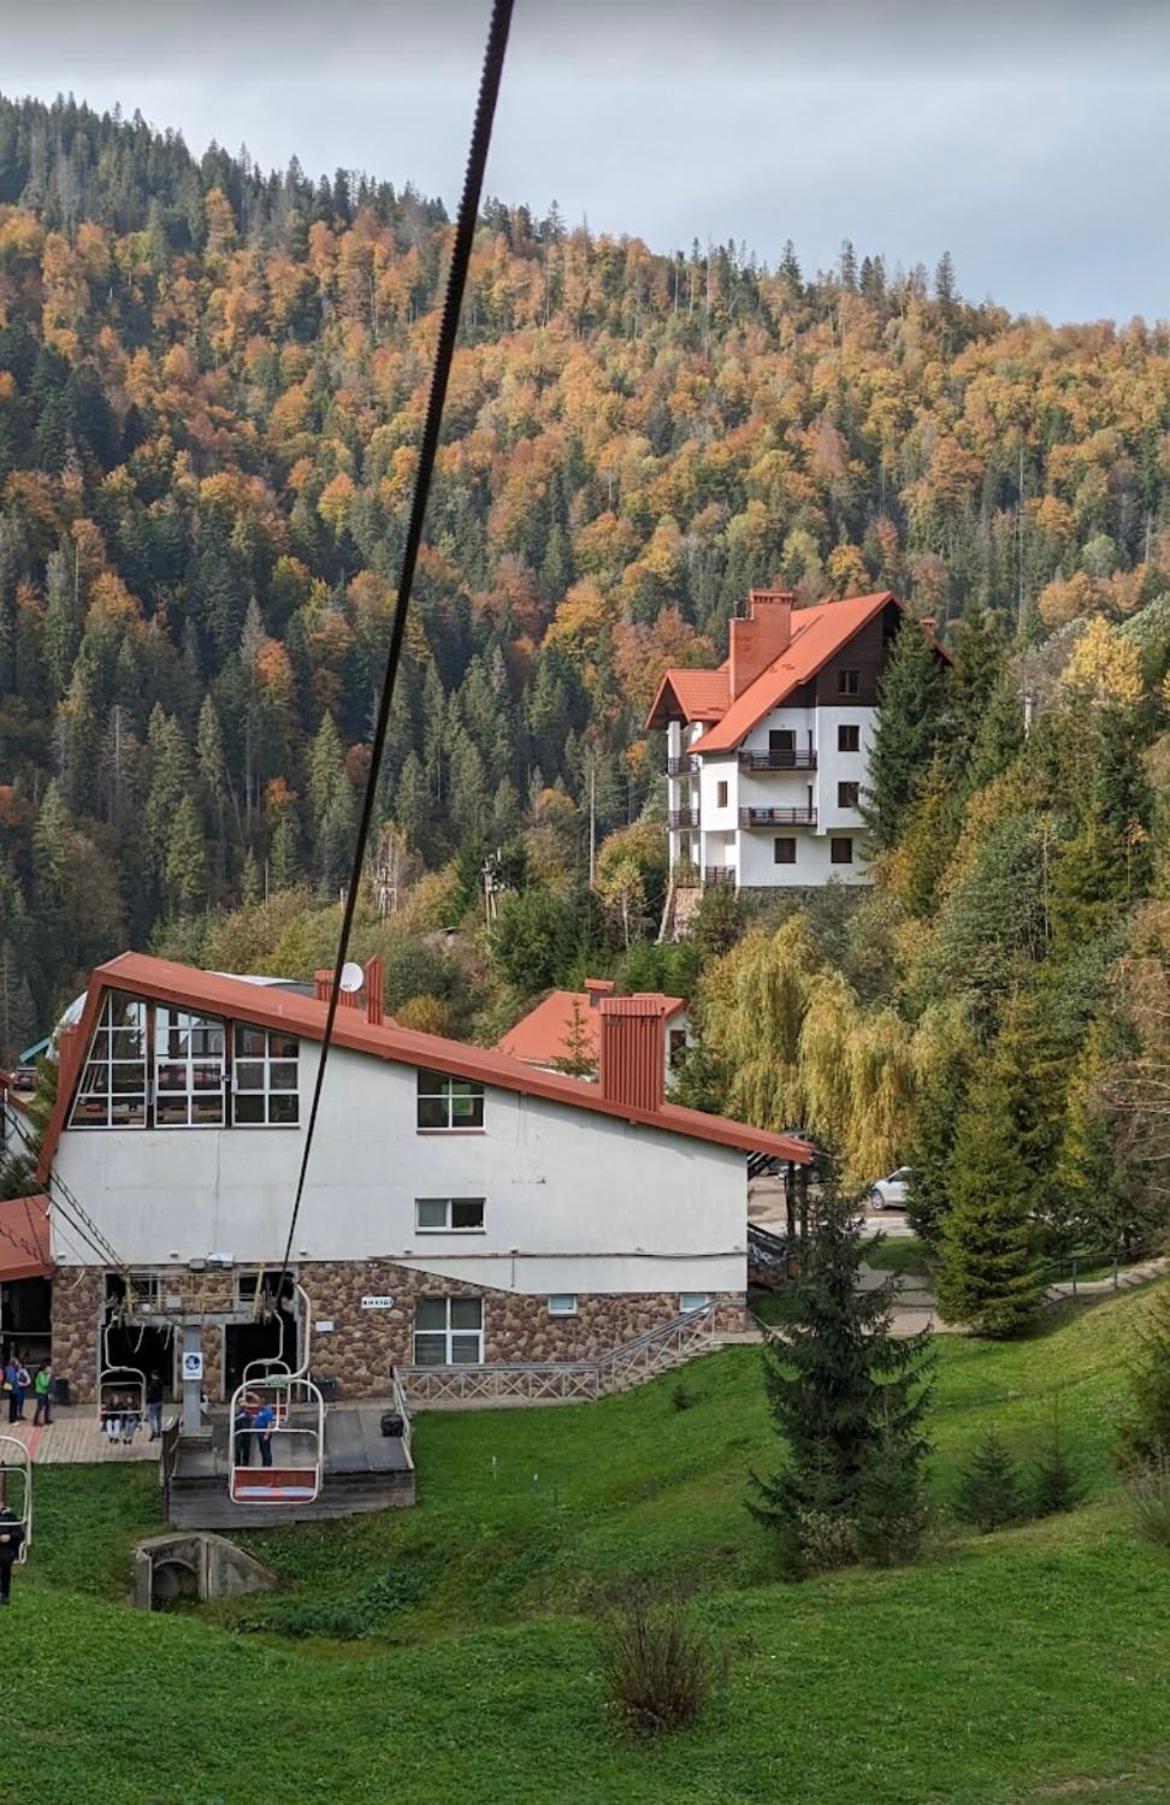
(11, 1539)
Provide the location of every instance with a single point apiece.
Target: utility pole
(592, 823)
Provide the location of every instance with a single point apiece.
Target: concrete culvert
(170, 1569)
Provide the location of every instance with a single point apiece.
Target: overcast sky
(1028, 138)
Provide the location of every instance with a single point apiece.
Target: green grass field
(447, 1653)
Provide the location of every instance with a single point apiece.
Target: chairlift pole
(192, 1343)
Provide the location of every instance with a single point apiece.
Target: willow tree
(753, 1007)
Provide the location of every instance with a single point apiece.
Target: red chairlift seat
(274, 1485)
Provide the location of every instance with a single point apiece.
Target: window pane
(170, 1112)
(467, 1112)
(283, 1046)
(430, 1313)
(207, 1110)
(432, 1112)
(465, 1087)
(692, 1300)
(466, 1312)
(128, 1112)
(431, 1084)
(249, 1075)
(249, 1042)
(283, 1109)
(169, 1077)
(207, 1040)
(467, 1212)
(249, 1110)
(562, 1303)
(465, 1350)
(431, 1212)
(430, 1350)
(282, 1075)
(95, 1077)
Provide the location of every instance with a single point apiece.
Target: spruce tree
(989, 1277)
(1145, 1429)
(1056, 1480)
(842, 1390)
(989, 1495)
(912, 703)
(185, 871)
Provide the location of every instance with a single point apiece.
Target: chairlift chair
(15, 1458)
(297, 1439)
(122, 1381)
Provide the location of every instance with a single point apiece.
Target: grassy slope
(1042, 1652)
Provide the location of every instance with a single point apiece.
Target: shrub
(658, 1671)
(823, 1540)
(989, 1488)
(680, 1397)
(1149, 1497)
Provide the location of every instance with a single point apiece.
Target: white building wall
(574, 1201)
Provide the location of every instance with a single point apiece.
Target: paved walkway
(75, 1438)
(1141, 1274)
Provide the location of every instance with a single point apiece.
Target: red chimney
(632, 1067)
(596, 988)
(758, 641)
(375, 1005)
(323, 985)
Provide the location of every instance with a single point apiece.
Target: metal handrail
(403, 1409)
(777, 817)
(779, 761)
(22, 1464)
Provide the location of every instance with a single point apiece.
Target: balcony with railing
(777, 817)
(683, 766)
(716, 875)
(779, 760)
(683, 817)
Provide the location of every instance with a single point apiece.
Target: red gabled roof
(695, 695)
(214, 993)
(541, 1036)
(818, 634)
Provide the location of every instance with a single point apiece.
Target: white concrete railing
(630, 1363)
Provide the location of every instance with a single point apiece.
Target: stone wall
(363, 1345)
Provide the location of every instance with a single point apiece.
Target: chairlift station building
(463, 1208)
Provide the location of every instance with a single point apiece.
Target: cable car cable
(493, 66)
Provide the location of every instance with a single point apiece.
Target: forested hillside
(211, 389)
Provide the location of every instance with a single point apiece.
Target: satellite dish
(352, 976)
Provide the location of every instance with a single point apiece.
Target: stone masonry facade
(362, 1345)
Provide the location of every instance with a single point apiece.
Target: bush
(823, 1541)
(989, 1488)
(680, 1397)
(1149, 1497)
(658, 1671)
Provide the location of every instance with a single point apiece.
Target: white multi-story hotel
(767, 757)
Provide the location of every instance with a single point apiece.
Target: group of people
(122, 1411)
(253, 1423)
(17, 1383)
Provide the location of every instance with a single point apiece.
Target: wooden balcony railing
(777, 817)
(715, 875)
(683, 817)
(778, 761)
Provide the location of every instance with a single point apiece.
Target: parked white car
(892, 1193)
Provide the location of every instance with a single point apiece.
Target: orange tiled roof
(695, 695)
(540, 1037)
(236, 999)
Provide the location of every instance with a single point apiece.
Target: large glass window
(188, 1069)
(445, 1102)
(112, 1091)
(265, 1078)
(448, 1331)
(451, 1215)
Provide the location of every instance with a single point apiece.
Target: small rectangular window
(848, 795)
(562, 1303)
(721, 795)
(448, 1331)
(782, 739)
(784, 851)
(848, 683)
(449, 1103)
(449, 1215)
(841, 852)
(693, 1300)
(849, 739)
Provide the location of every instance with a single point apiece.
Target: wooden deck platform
(364, 1471)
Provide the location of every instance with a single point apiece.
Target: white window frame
(99, 1058)
(266, 1091)
(692, 1300)
(449, 1226)
(562, 1303)
(442, 1088)
(169, 1019)
(456, 1336)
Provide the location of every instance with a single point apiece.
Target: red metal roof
(237, 999)
(818, 634)
(25, 1252)
(539, 1038)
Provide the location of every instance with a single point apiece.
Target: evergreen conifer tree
(912, 703)
(841, 1389)
(989, 1495)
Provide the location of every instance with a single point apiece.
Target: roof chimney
(323, 986)
(375, 1006)
(757, 641)
(596, 988)
(632, 1067)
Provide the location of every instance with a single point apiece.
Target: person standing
(154, 1404)
(11, 1539)
(244, 1434)
(10, 1372)
(263, 1422)
(43, 1393)
(21, 1387)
